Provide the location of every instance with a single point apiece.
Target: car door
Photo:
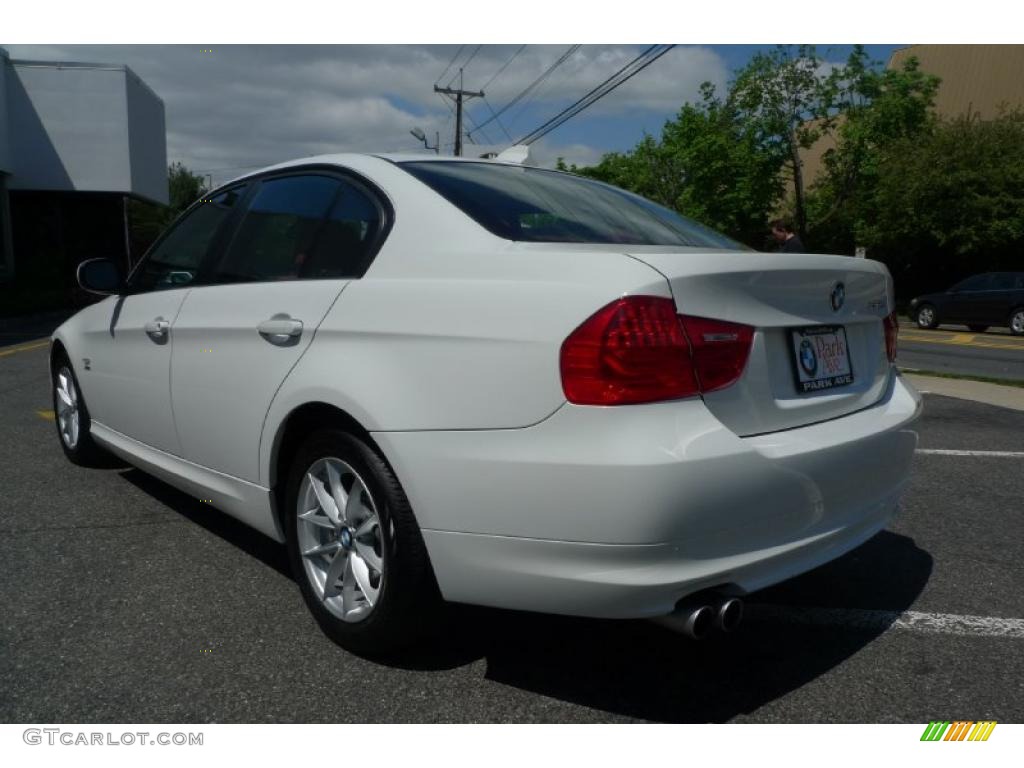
(299, 241)
(998, 298)
(127, 348)
(967, 302)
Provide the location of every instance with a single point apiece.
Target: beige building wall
(976, 79)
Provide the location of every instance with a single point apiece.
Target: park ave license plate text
(821, 358)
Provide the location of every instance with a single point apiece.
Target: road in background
(994, 353)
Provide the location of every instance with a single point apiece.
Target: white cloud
(256, 105)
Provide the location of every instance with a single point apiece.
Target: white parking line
(878, 621)
(945, 452)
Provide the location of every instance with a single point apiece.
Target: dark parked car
(980, 301)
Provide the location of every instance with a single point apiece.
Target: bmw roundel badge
(808, 358)
(837, 297)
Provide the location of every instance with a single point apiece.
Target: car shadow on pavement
(636, 669)
(250, 541)
(640, 670)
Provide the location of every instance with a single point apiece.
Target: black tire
(85, 452)
(1016, 321)
(925, 322)
(978, 328)
(407, 605)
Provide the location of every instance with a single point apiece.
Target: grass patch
(984, 379)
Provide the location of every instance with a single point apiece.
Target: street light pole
(419, 134)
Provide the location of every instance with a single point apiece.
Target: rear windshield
(537, 205)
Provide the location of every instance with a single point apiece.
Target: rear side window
(975, 283)
(346, 240)
(300, 227)
(175, 260)
(1005, 281)
(533, 204)
(278, 230)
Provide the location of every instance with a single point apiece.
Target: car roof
(357, 159)
(343, 158)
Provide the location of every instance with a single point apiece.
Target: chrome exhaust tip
(694, 621)
(729, 614)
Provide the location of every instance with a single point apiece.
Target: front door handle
(280, 328)
(157, 329)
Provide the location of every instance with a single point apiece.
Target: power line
(503, 68)
(464, 65)
(624, 74)
(500, 124)
(526, 91)
(536, 96)
(477, 129)
(457, 54)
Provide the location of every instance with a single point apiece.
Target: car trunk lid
(788, 299)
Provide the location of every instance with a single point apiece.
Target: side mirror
(99, 276)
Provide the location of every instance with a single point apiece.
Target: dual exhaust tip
(697, 619)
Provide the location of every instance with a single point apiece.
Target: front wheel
(926, 317)
(72, 418)
(1017, 322)
(355, 547)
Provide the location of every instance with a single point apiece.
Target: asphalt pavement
(125, 600)
(951, 349)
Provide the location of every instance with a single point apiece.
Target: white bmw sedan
(440, 379)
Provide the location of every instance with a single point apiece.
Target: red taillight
(635, 350)
(631, 351)
(720, 350)
(892, 329)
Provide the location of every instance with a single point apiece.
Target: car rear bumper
(620, 512)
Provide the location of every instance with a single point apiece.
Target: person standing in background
(788, 241)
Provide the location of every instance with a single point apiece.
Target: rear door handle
(157, 328)
(280, 328)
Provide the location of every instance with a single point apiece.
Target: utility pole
(459, 94)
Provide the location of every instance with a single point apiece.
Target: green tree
(790, 103)
(709, 164)
(875, 109)
(950, 201)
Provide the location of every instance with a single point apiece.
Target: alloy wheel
(67, 408)
(340, 540)
(925, 317)
(1017, 322)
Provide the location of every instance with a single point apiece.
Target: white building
(76, 142)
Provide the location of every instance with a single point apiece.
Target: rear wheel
(1017, 321)
(72, 418)
(978, 328)
(355, 547)
(926, 317)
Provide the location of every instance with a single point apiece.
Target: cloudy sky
(245, 106)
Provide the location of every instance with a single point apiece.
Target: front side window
(533, 204)
(175, 260)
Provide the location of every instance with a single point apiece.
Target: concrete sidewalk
(978, 391)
